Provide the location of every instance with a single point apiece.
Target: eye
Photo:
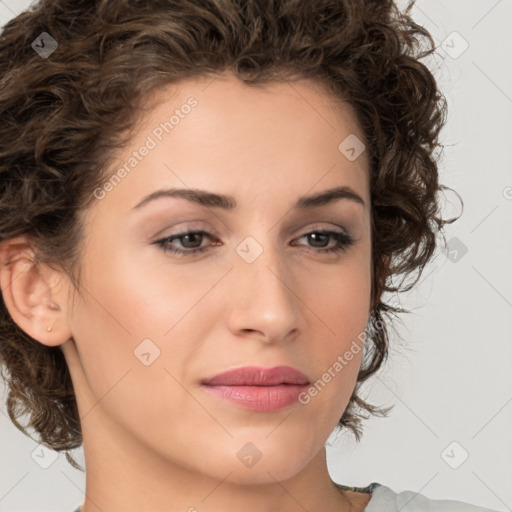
(320, 239)
(191, 242)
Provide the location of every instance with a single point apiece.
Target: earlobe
(30, 295)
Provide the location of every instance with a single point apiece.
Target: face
(255, 284)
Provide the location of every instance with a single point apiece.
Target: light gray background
(451, 376)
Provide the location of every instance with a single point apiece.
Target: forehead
(304, 98)
(222, 134)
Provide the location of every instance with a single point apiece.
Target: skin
(153, 438)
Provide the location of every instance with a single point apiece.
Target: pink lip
(258, 389)
(258, 376)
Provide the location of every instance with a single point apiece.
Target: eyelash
(343, 242)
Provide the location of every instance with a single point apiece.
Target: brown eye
(190, 242)
(319, 239)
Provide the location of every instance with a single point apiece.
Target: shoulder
(384, 499)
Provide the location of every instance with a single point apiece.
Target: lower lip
(259, 398)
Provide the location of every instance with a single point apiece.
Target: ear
(35, 295)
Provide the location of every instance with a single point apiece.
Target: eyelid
(321, 227)
(187, 227)
(201, 226)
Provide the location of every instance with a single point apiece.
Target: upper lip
(257, 376)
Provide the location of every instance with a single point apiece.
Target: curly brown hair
(65, 116)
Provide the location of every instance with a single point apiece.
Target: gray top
(385, 499)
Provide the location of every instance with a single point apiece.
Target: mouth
(258, 376)
(257, 388)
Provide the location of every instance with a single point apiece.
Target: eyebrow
(227, 202)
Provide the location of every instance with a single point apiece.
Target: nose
(262, 298)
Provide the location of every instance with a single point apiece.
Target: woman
(202, 205)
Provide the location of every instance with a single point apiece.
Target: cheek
(119, 327)
(342, 307)
(341, 296)
(131, 309)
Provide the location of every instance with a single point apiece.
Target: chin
(262, 474)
